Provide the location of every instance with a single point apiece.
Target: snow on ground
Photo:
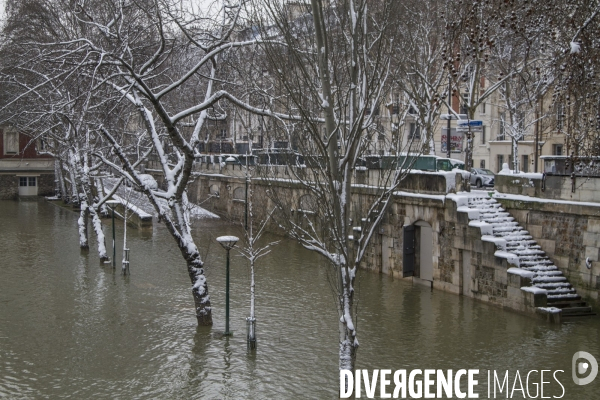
(139, 200)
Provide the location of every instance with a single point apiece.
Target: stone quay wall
(461, 262)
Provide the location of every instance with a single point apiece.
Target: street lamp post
(113, 204)
(228, 242)
(448, 139)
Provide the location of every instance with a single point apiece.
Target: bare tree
(161, 62)
(252, 250)
(421, 77)
(333, 71)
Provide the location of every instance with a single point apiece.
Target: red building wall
(26, 149)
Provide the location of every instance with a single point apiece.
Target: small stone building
(23, 170)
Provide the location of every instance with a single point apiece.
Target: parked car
(481, 177)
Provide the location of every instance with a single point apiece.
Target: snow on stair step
(529, 252)
(502, 224)
(548, 279)
(552, 285)
(506, 234)
(500, 219)
(523, 246)
(548, 273)
(561, 290)
(537, 268)
(540, 262)
(515, 237)
(521, 242)
(567, 296)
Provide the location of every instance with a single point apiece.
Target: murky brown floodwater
(71, 328)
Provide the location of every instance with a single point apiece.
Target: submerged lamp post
(113, 204)
(228, 242)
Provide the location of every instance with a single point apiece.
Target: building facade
(24, 169)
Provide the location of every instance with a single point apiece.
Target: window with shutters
(11, 143)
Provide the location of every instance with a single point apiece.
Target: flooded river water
(72, 328)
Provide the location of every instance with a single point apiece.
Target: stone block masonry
(9, 187)
(46, 185)
(462, 261)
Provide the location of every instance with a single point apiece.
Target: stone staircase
(520, 249)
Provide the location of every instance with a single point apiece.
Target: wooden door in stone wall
(425, 248)
(408, 247)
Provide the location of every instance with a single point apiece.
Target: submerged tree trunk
(61, 180)
(82, 223)
(57, 179)
(348, 339)
(200, 292)
(99, 235)
(180, 230)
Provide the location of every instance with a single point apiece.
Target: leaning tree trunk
(102, 254)
(175, 221)
(200, 291)
(180, 230)
(61, 180)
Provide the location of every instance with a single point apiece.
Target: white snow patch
(139, 202)
(520, 272)
(575, 47)
(148, 181)
(227, 239)
(534, 290)
(199, 212)
(486, 229)
(530, 175)
(141, 213)
(500, 242)
(440, 197)
(550, 310)
(510, 257)
(462, 198)
(472, 212)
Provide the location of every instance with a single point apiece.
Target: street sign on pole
(466, 125)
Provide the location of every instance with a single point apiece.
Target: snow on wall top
(521, 197)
